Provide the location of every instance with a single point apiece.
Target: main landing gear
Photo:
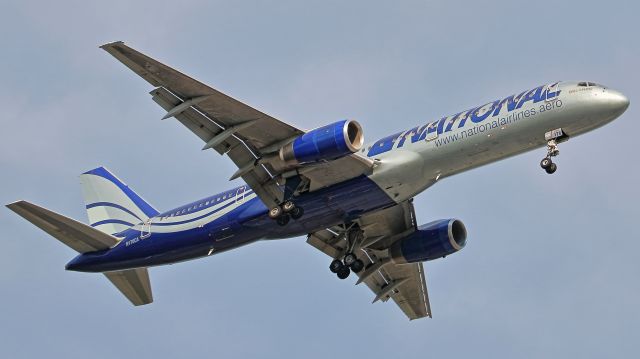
(349, 262)
(284, 212)
(344, 267)
(552, 137)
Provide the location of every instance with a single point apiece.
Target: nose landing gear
(552, 151)
(553, 138)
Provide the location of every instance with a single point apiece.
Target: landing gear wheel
(349, 259)
(283, 220)
(343, 272)
(275, 212)
(288, 206)
(297, 213)
(357, 266)
(546, 163)
(335, 266)
(552, 168)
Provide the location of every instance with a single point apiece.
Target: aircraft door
(551, 88)
(145, 231)
(240, 194)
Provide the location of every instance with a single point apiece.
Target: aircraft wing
(404, 283)
(248, 136)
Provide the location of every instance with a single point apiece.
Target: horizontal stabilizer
(134, 284)
(77, 235)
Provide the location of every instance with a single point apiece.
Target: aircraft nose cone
(617, 102)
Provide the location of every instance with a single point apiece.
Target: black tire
(297, 213)
(335, 266)
(546, 163)
(283, 220)
(552, 169)
(357, 266)
(275, 212)
(288, 206)
(344, 272)
(349, 259)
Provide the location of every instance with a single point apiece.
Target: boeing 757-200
(352, 201)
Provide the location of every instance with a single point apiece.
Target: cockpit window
(589, 84)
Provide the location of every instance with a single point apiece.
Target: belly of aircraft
(247, 223)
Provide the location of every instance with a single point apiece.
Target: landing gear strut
(349, 262)
(552, 137)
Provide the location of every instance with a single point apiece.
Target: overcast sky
(551, 266)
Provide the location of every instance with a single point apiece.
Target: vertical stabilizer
(111, 205)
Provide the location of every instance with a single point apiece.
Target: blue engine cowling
(431, 241)
(326, 143)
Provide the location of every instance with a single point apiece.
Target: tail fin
(111, 205)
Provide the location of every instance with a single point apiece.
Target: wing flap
(404, 283)
(410, 293)
(77, 235)
(256, 177)
(134, 284)
(411, 296)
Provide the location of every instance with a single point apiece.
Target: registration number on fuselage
(132, 241)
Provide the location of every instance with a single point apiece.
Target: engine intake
(325, 143)
(431, 241)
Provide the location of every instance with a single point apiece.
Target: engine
(325, 143)
(431, 241)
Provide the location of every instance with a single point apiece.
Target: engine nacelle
(325, 143)
(431, 241)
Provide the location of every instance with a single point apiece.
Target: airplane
(354, 202)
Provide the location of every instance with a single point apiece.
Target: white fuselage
(409, 167)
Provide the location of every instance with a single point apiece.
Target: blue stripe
(109, 204)
(144, 206)
(114, 221)
(196, 218)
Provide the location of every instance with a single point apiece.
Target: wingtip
(14, 203)
(111, 44)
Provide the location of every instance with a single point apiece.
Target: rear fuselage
(407, 163)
